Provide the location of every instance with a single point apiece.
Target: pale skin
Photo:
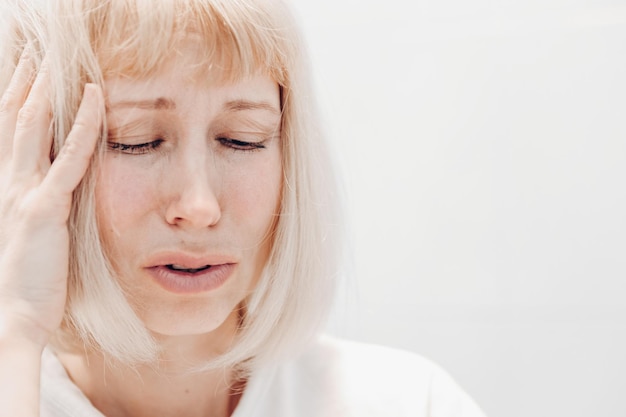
(222, 141)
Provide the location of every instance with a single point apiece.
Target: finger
(13, 99)
(32, 131)
(44, 163)
(71, 164)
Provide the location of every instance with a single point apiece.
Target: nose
(193, 203)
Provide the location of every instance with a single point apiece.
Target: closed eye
(135, 149)
(240, 145)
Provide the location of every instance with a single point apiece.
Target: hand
(35, 200)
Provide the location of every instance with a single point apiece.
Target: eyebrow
(242, 105)
(160, 103)
(163, 103)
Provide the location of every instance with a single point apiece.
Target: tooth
(185, 269)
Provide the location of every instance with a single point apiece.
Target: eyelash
(240, 145)
(144, 148)
(139, 149)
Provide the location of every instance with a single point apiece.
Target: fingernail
(92, 87)
(26, 57)
(89, 92)
(90, 95)
(27, 52)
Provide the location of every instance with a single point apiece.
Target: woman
(168, 220)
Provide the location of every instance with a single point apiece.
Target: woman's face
(188, 193)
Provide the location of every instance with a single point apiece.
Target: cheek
(122, 195)
(253, 194)
(257, 206)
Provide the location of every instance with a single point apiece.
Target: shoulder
(59, 396)
(343, 378)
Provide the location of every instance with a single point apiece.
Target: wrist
(21, 333)
(20, 362)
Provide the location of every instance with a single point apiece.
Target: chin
(192, 320)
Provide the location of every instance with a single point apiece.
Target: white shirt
(332, 378)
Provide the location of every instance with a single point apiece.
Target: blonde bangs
(237, 38)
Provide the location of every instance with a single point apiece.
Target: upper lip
(187, 260)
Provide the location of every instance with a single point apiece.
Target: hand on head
(36, 197)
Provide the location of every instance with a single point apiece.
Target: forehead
(181, 76)
(167, 90)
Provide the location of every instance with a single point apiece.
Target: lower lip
(190, 283)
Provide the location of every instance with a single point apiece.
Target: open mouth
(179, 268)
(190, 278)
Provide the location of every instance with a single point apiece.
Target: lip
(184, 282)
(191, 261)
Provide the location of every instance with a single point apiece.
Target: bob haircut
(91, 40)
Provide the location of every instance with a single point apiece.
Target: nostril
(193, 201)
(198, 213)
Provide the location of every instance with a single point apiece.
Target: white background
(483, 145)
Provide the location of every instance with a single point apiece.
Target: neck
(164, 389)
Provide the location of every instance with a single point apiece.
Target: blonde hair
(88, 41)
